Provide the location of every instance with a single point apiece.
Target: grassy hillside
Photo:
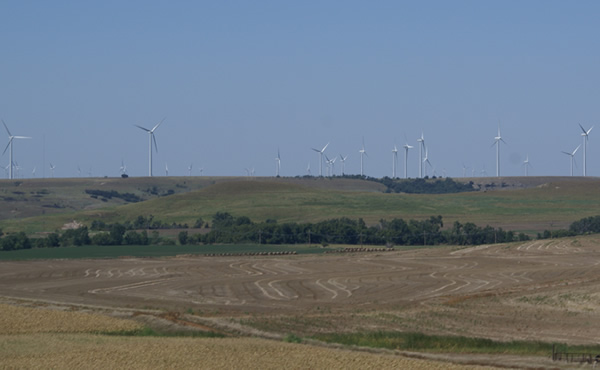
(549, 206)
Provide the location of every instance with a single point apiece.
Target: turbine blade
(155, 146)
(7, 145)
(325, 147)
(566, 153)
(22, 137)
(590, 130)
(576, 149)
(582, 129)
(6, 127)
(158, 124)
(143, 128)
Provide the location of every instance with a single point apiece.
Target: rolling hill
(528, 204)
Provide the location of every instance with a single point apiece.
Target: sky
(235, 81)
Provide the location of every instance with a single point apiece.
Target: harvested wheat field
(544, 290)
(105, 352)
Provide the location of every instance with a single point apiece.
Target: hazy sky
(238, 79)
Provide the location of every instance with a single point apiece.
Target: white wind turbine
(497, 141)
(190, 169)
(308, 170)
(526, 164)
(343, 166)
(330, 165)
(572, 155)
(406, 148)
(585, 135)
(166, 169)
(421, 140)
(321, 158)
(362, 152)
(277, 163)
(150, 139)
(465, 170)
(52, 167)
(10, 144)
(201, 169)
(426, 161)
(394, 161)
(33, 172)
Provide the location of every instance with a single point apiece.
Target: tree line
(227, 229)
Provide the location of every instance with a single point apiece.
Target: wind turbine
(321, 158)
(421, 140)
(585, 135)
(497, 141)
(330, 165)
(572, 155)
(201, 169)
(166, 169)
(6, 170)
(362, 152)
(79, 170)
(426, 160)
(308, 170)
(277, 163)
(526, 164)
(33, 172)
(343, 160)
(190, 169)
(406, 148)
(10, 144)
(52, 167)
(150, 139)
(465, 170)
(394, 160)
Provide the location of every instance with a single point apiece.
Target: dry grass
(101, 352)
(40, 338)
(25, 320)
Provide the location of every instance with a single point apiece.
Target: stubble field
(539, 290)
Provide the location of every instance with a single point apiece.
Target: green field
(549, 203)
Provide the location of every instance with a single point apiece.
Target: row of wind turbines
(323, 158)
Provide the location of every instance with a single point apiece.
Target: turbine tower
(585, 135)
(497, 141)
(572, 155)
(526, 164)
(406, 148)
(321, 158)
(151, 138)
(421, 140)
(11, 138)
(394, 161)
(362, 152)
(277, 163)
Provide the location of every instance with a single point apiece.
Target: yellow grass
(47, 339)
(25, 320)
(86, 351)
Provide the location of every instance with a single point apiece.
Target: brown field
(540, 290)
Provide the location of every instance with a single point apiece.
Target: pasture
(525, 207)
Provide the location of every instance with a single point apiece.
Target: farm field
(526, 205)
(538, 291)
